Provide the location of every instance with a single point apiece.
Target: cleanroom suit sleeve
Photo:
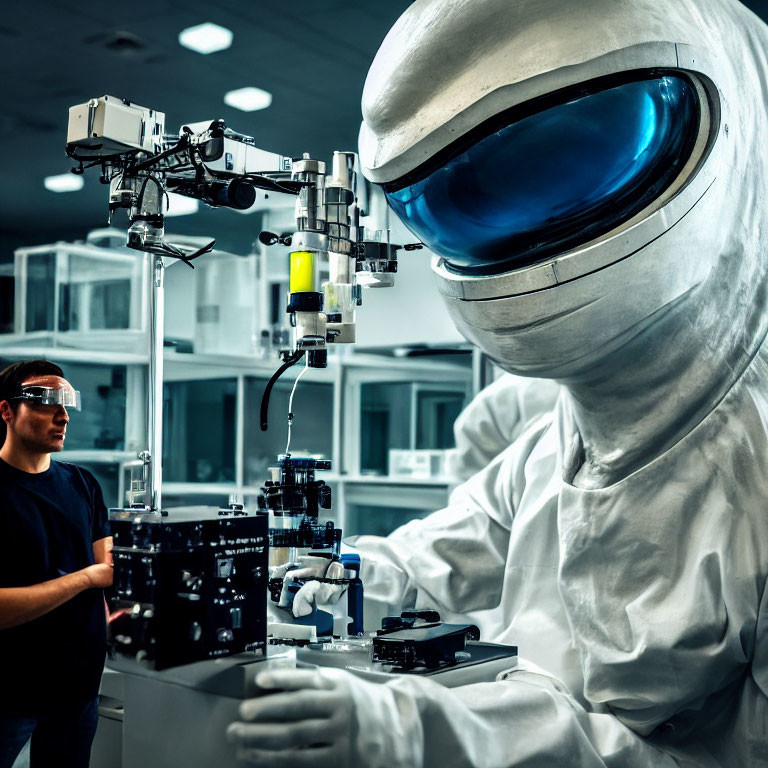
(453, 560)
(528, 719)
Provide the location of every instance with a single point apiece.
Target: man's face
(35, 427)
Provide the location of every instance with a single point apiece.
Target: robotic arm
(210, 162)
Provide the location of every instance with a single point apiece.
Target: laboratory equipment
(213, 163)
(188, 588)
(418, 463)
(200, 700)
(210, 162)
(294, 499)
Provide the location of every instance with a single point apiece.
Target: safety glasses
(69, 398)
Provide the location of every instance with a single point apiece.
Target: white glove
(310, 722)
(313, 592)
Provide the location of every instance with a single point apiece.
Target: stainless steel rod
(155, 390)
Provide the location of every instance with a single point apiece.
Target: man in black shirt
(55, 562)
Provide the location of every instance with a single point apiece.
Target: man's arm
(19, 605)
(102, 551)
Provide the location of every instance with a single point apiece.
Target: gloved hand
(313, 592)
(310, 722)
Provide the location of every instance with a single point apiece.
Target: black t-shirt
(48, 522)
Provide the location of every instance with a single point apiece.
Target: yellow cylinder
(303, 274)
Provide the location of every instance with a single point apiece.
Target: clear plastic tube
(290, 402)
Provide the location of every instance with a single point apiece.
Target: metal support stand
(153, 497)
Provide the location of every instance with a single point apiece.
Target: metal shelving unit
(346, 374)
(81, 331)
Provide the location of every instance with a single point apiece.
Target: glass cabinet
(199, 431)
(406, 416)
(311, 432)
(379, 519)
(7, 283)
(80, 296)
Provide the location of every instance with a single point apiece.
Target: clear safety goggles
(34, 395)
(553, 174)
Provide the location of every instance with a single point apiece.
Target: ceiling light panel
(206, 38)
(64, 182)
(248, 99)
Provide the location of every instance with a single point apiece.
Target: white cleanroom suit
(495, 418)
(491, 422)
(621, 543)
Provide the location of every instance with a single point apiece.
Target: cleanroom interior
(421, 350)
(72, 293)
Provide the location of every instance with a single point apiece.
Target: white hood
(652, 323)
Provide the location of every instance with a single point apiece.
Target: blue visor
(553, 180)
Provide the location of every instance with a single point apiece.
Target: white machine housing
(109, 125)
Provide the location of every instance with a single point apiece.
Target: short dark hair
(14, 375)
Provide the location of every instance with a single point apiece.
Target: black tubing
(292, 359)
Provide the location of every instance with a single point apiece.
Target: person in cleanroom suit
(593, 178)
(495, 418)
(491, 422)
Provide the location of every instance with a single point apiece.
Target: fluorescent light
(248, 99)
(179, 205)
(206, 38)
(64, 182)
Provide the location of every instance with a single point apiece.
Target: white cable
(290, 401)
